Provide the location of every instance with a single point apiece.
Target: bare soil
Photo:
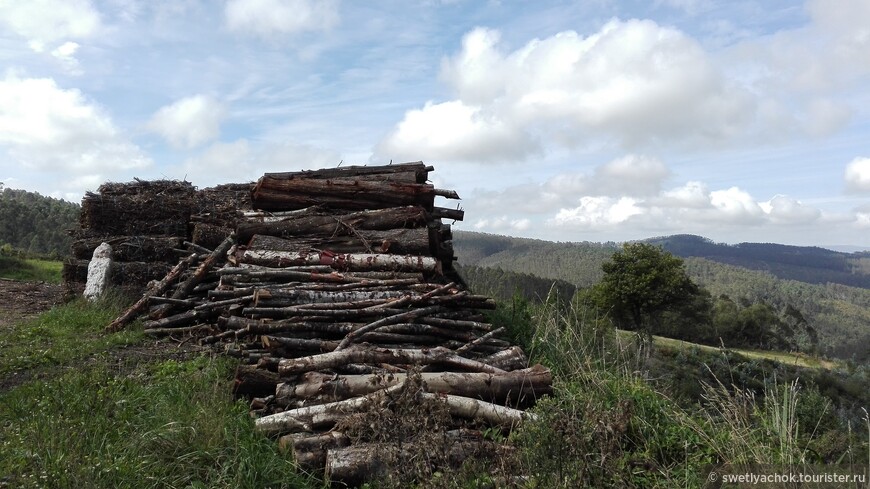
(21, 300)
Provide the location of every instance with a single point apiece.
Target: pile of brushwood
(363, 352)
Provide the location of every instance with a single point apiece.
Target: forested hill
(840, 313)
(805, 264)
(35, 223)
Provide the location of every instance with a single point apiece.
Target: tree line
(35, 224)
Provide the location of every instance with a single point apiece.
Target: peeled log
(350, 261)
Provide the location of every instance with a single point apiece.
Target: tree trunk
(394, 241)
(360, 262)
(440, 356)
(251, 381)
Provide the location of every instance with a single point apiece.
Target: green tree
(641, 282)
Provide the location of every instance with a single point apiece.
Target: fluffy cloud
(189, 122)
(266, 18)
(47, 128)
(635, 82)
(858, 175)
(49, 21)
(241, 161)
(503, 224)
(455, 131)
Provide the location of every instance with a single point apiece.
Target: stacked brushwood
(361, 347)
(150, 224)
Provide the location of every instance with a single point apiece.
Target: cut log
(402, 241)
(362, 354)
(513, 388)
(350, 193)
(354, 465)
(184, 289)
(511, 359)
(413, 172)
(315, 223)
(157, 289)
(344, 262)
(309, 451)
(251, 381)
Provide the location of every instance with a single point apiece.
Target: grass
(164, 425)
(786, 358)
(30, 269)
(61, 335)
(115, 423)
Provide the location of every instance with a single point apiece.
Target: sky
(597, 120)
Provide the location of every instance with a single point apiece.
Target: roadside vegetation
(19, 266)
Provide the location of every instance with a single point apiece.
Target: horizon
(739, 121)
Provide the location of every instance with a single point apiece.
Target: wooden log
(514, 388)
(341, 193)
(294, 297)
(363, 354)
(413, 172)
(394, 319)
(512, 358)
(309, 451)
(315, 223)
(354, 465)
(199, 328)
(158, 288)
(403, 241)
(471, 344)
(251, 381)
(311, 417)
(184, 289)
(340, 261)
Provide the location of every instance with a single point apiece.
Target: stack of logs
(339, 295)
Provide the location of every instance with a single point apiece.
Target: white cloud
(48, 21)
(597, 212)
(267, 18)
(47, 128)
(786, 210)
(503, 224)
(65, 54)
(242, 161)
(858, 175)
(735, 205)
(634, 81)
(189, 122)
(455, 131)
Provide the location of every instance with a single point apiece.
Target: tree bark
(346, 224)
(348, 193)
(251, 381)
(394, 241)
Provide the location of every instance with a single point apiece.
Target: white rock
(99, 272)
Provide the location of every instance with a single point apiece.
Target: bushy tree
(641, 282)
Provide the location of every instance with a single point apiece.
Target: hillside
(839, 313)
(802, 263)
(34, 223)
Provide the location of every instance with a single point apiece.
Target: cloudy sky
(596, 120)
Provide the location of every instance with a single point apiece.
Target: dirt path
(21, 300)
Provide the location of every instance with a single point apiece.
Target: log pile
(361, 348)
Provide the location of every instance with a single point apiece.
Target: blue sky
(597, 120)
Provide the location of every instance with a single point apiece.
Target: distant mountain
(814, 280)
(812, 265)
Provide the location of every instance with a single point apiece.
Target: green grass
(786, 358)
(30, 269)
(62, 335)
(164, 425)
